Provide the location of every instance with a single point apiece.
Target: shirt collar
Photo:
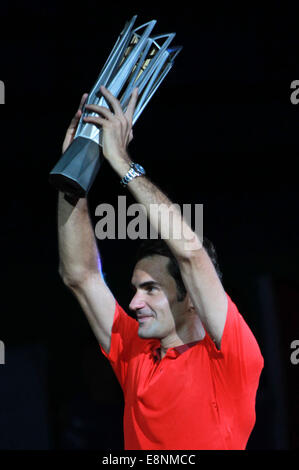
(172, 352)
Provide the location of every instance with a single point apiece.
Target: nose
(137, 302)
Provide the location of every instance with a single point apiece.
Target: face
(155, 303)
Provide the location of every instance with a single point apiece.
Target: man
(189, 366)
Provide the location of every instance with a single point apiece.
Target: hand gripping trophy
(136, 60)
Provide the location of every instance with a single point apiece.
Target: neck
(188, 333)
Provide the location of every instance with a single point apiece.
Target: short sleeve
(123, 334)
(239, 362)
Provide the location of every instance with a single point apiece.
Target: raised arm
(79, 260)
(199, 275)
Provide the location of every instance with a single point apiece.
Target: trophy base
(67, 185)
(77, 168)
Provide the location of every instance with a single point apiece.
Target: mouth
(144, 318)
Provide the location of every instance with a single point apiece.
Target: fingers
(70, 133)
(95, 120)
(115, 104)
(83, 99)
(107, 116)
(100, 110)
(131, 136)
(76, 118)
(132, 105)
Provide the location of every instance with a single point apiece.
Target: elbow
(66, 279)
(192, 251)
(72, 279)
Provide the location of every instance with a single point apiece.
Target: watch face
(139, 168)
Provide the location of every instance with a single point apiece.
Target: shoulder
(238, 343)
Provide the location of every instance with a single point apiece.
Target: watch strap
(130, 175)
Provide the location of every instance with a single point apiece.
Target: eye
(151, 289)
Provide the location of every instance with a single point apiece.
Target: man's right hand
(70, 133)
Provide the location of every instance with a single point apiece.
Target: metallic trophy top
(136, 60)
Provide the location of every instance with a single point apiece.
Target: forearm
(116, 127)
(164, 216)
(78, 253)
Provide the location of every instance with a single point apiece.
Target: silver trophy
(136, 60)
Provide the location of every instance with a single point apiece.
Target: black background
(221, 130)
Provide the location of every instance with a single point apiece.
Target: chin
(148, 334)
(145, 334)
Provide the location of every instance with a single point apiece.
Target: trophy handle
(77, 168)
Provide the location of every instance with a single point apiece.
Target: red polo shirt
(196, 397)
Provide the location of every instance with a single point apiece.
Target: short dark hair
(150, 247)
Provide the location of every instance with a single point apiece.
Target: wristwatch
(134, 171)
